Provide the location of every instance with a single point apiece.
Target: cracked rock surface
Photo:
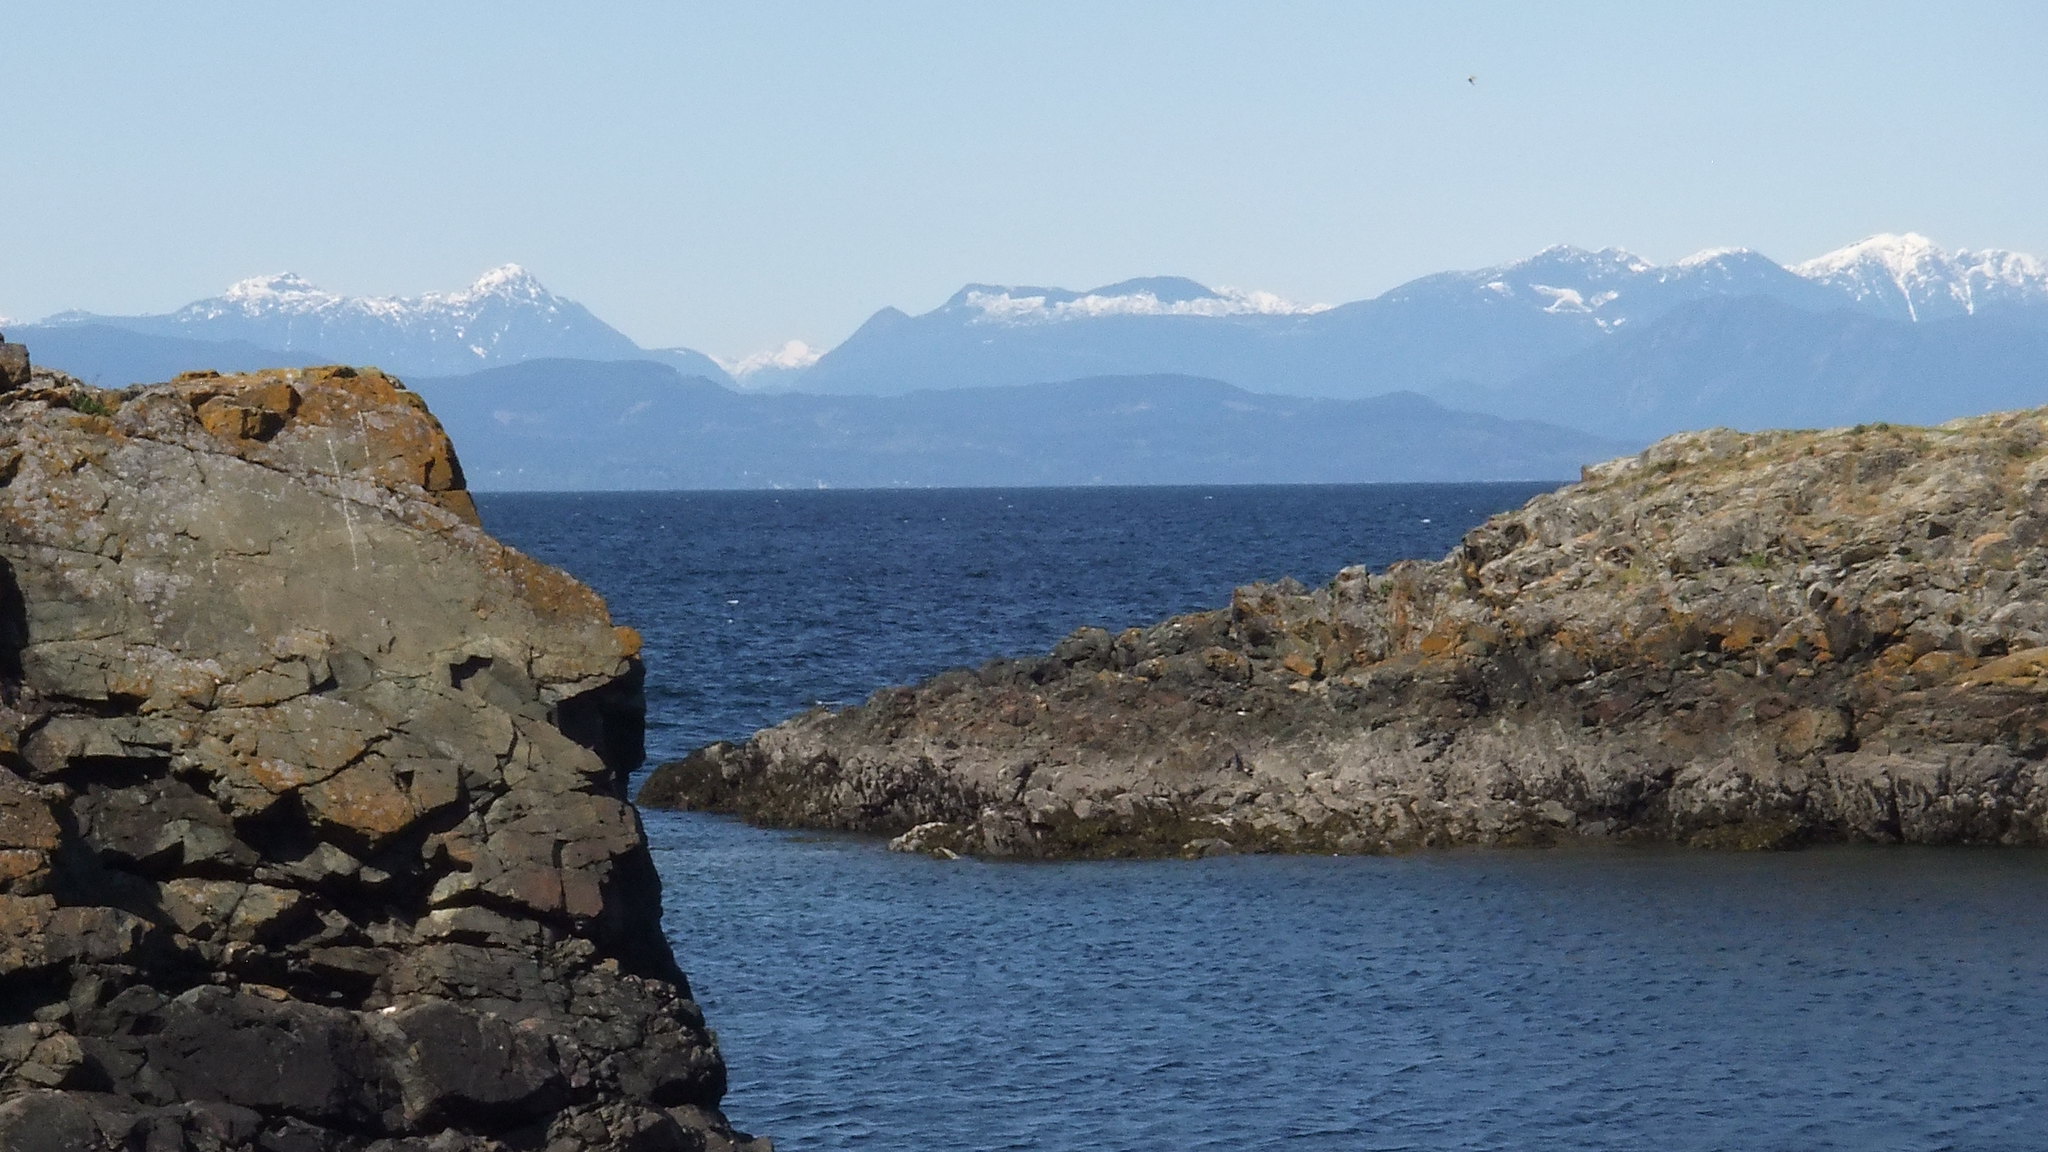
(1733, 640)
(313, 832)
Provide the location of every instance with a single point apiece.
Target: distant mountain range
(1461, 334)
(579, 424)
(505, 317)
(1600, 345)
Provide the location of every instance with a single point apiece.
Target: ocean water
(1611, 999)
(757, 605)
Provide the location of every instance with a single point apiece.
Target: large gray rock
(1729, 640)
(14, 366)
(312, 824)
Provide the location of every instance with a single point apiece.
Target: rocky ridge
(1728, 640)
(313, 832)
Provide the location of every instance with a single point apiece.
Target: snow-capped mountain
(1484, 324)
(1889, 328)
(1610, 288)
(994, 334)
(1482, 327)
(774, 370)
(506, 316)
(1909, 277)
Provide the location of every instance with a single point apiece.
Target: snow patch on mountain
(1157, 296)
(1709, 256)
(792, 356)
(1571, 299)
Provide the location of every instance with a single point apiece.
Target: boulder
(14, 366)
(313, 831)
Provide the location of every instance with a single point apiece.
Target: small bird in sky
(1472, 80)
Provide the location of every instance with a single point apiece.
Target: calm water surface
(1861, 999)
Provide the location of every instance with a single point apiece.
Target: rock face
(14, 365)
(1729, 640)
(312, 826)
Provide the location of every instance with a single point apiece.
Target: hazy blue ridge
(687, 361)
(113, 357)
(1755, 362)
(583, 425)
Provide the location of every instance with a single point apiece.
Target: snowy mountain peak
(508, 280)
(1558, 268)
(1565, 255)
(1561, 280)
(1165, 289)
(504, 316)
(283, 285)
(1911, 275)
(793, 356)
(1897, 257)
(290, 291)
(1711, 256)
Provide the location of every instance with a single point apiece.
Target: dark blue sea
(1565, 999)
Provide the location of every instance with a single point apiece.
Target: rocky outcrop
(1729, 640)
(15, 370)
(313, 832)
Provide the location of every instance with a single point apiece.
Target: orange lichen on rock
(359, 423)
(400, 440)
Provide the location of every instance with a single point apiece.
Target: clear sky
(727, 176)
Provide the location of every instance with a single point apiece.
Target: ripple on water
(1840, 998)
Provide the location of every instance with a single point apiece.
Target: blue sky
(727, 176)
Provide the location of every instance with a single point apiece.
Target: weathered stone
(231, 910)
(270, 1055)
(24, 933)
(41, 1120)
(157, 825)
(14, 367)
(312, 833)
(365, 802)
(25, 817)
(455, 1065)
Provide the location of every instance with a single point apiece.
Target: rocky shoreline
(313, 826)
(1730, 640)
